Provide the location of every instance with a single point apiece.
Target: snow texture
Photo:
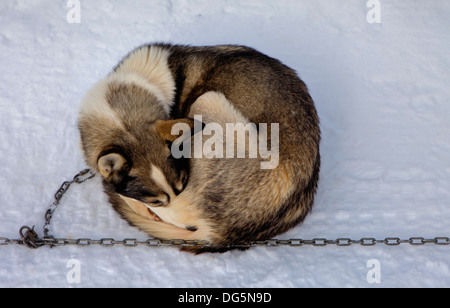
(381, 90)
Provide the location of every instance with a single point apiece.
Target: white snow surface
(381, 90)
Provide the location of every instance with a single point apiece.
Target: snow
(381, 92)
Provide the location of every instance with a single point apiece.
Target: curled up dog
(219, 143)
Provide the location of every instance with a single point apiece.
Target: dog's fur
(125, 122)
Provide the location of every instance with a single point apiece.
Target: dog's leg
(220, 116)
(215, 107)
(181, 212)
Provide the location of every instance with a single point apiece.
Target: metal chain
(80, 178)
(35, 242)
(30, 239)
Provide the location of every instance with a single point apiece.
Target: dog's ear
(164, 128)
(111, 166)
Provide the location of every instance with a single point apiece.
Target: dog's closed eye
(160, 200)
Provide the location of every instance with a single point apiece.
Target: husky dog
(126, 122)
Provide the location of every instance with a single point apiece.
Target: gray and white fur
(125, 123)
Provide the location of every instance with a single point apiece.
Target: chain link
(30, 239)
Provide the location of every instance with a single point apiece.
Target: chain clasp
(30, 238)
